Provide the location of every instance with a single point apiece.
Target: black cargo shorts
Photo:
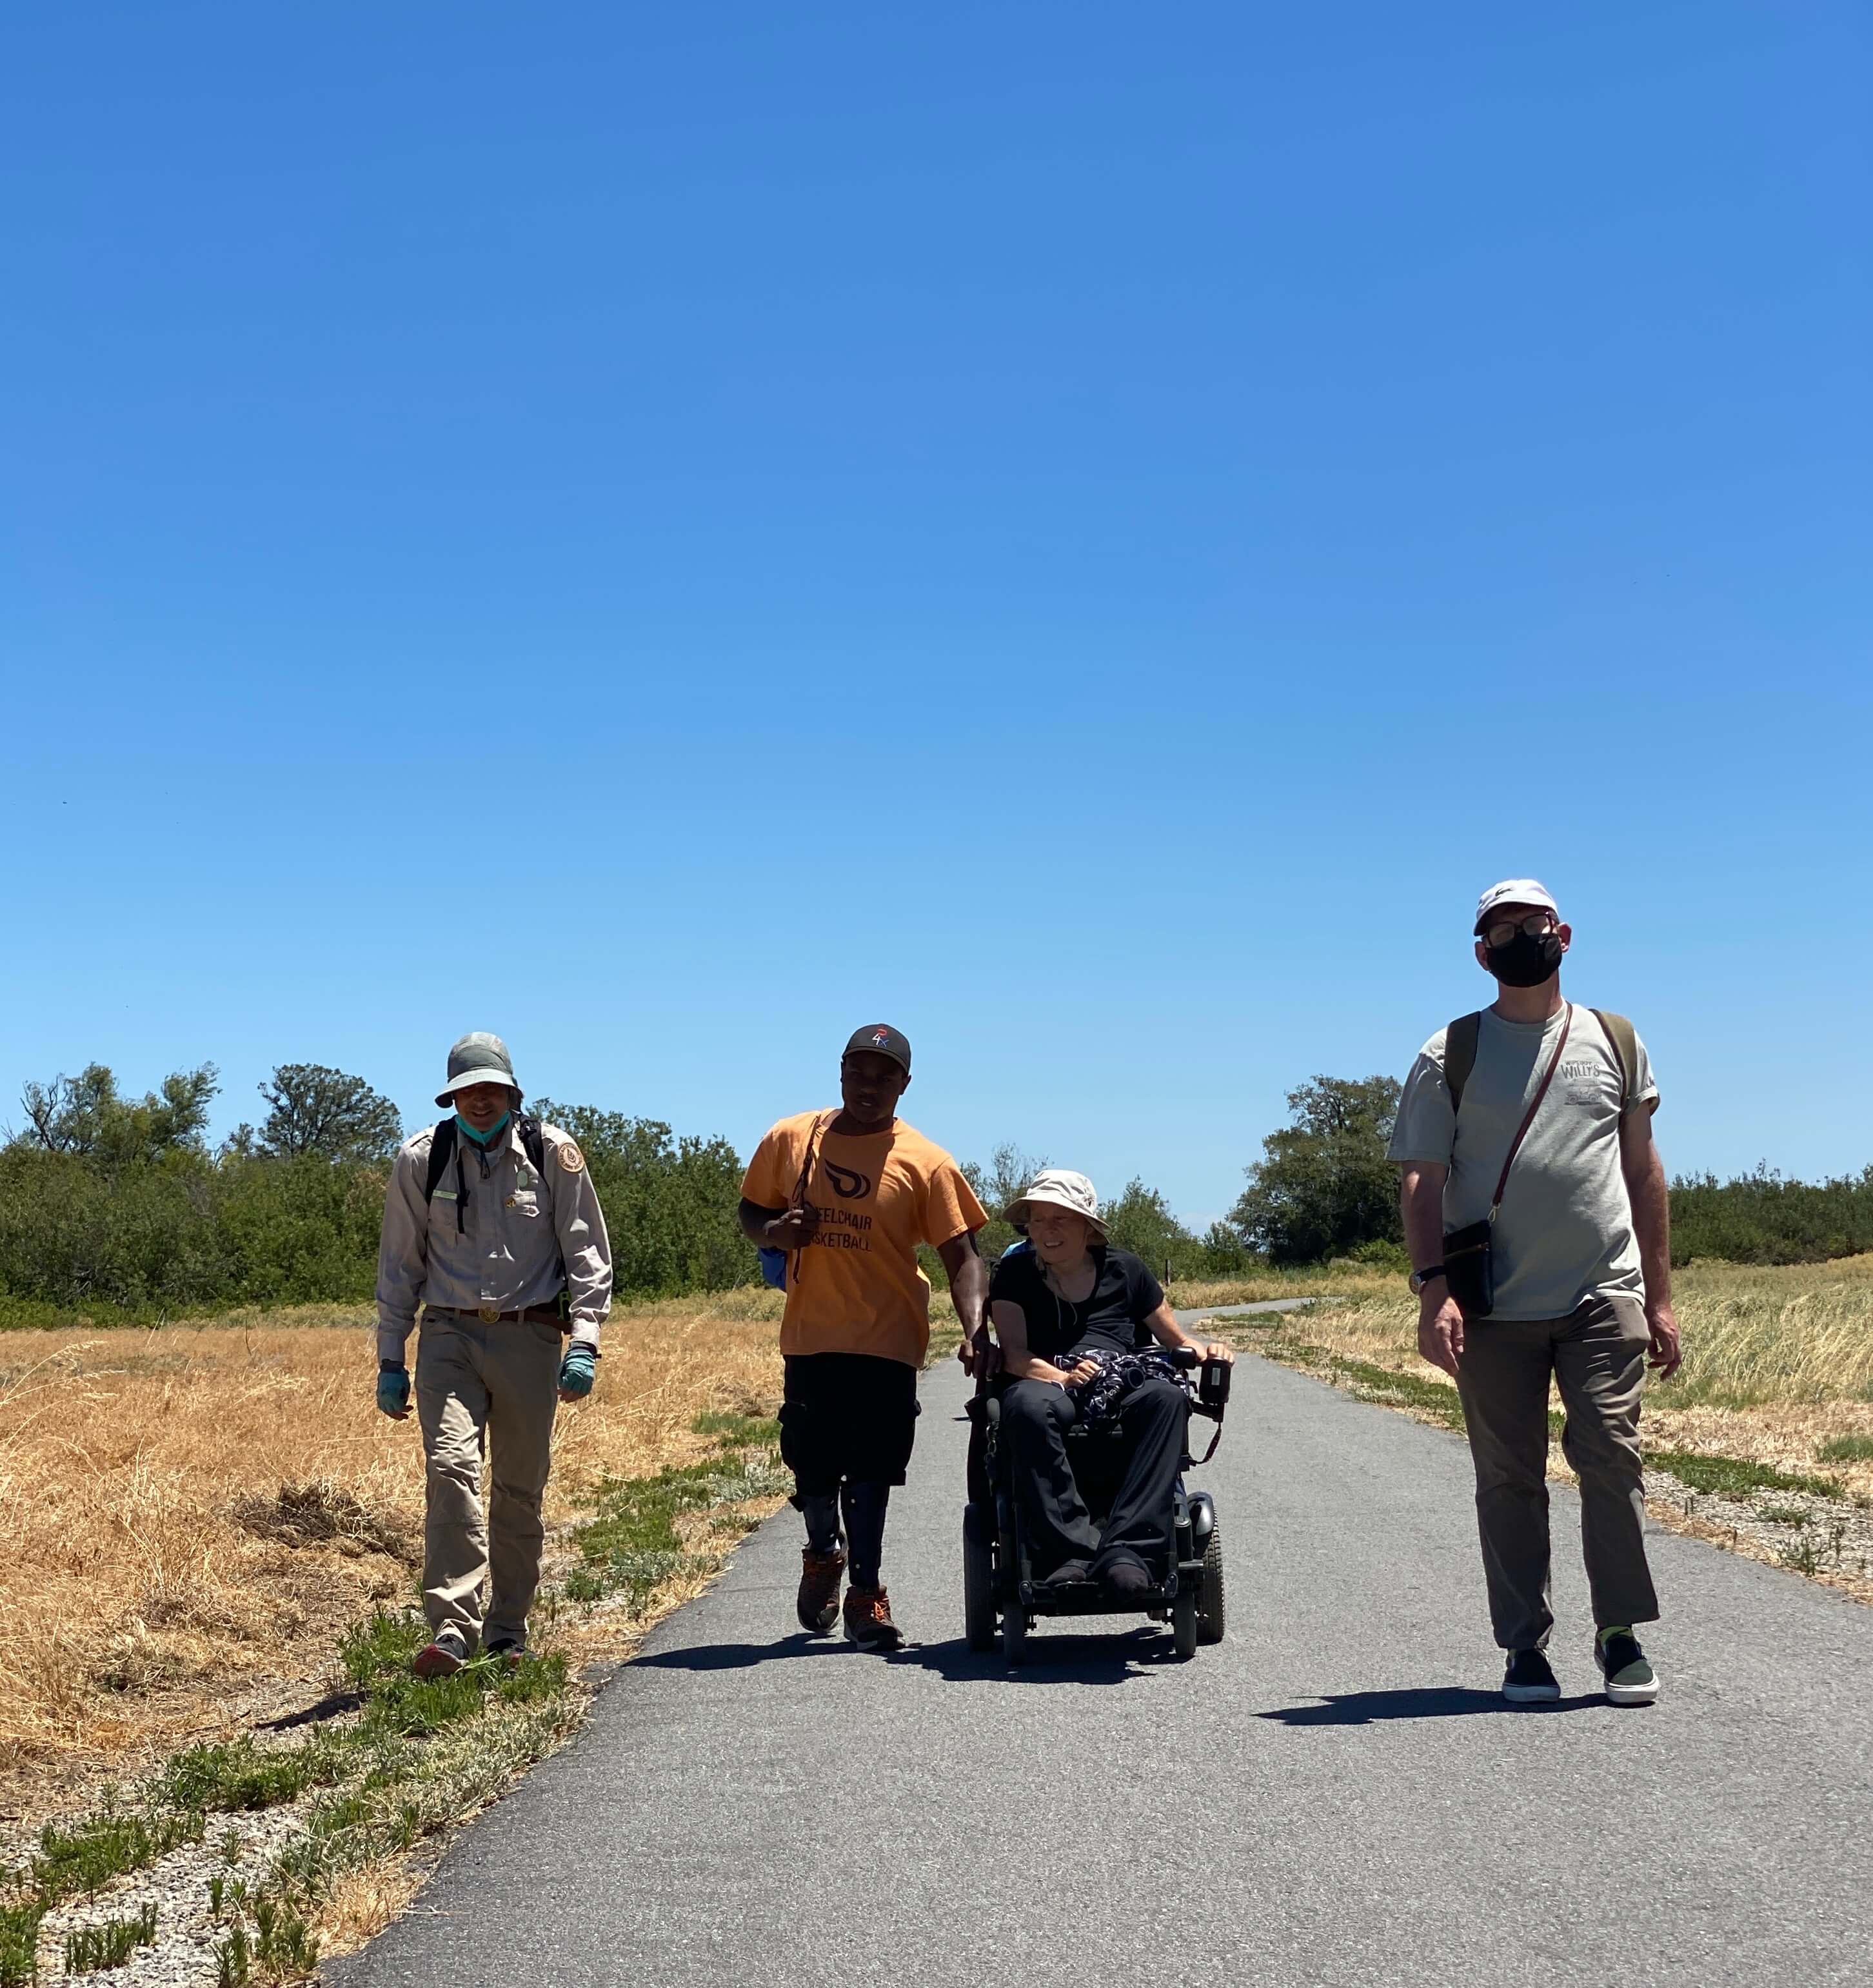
(847, 1417)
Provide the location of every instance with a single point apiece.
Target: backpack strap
(1625, 1039)
(441, 1150)
(1460, 1055)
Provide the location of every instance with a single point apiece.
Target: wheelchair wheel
(1014, 1635)
(978, 1581)
(1210, 1611)
(1184, 1622)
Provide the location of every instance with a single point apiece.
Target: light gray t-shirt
(1564, 1232)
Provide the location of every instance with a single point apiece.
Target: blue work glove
(577, 1371)
(394, 1390)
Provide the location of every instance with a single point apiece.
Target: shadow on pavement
(740, 1656)
(1368, 1708)
(1050, 1660)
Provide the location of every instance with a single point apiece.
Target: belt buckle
(489, 1314)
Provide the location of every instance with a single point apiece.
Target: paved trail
(1334, 1798)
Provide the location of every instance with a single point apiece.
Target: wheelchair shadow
(1098, 1660)
(1371, 1707)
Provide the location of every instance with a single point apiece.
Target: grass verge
(326, 1817)
(1778, 1378)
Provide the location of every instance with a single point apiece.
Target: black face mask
(1525, 962)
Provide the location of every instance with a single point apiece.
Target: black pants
(1055, 1525)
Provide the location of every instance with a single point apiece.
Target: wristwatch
(1421, 1278)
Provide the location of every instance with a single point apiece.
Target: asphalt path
(1334, 1798)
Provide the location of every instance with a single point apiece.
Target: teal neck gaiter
(493, 1132)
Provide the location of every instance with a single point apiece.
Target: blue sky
(1087, 533)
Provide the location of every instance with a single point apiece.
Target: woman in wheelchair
(1076, 1321)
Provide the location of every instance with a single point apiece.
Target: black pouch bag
(1469, 1269)
(1469, 1264)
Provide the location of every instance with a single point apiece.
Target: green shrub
(240, 1775)
(1760, 1218)
(89, 1950)
(88, 1855)
(20, 1939)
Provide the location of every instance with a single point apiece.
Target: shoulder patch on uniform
(571, 1158)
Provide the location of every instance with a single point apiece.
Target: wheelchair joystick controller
(1213, 1383)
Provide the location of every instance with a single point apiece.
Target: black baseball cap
(881, 1039)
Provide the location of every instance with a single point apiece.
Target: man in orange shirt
(849, 1194)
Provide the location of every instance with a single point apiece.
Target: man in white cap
(493, 1225)
(1536, 1214)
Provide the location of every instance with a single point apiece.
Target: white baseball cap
(1514, 891)
(1057, 1187)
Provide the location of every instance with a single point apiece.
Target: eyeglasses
(1532, 927)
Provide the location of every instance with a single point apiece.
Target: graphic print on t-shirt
(846, 1184)
(1590, 1080)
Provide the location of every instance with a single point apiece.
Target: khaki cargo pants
(1596, 1356)
(494, 1388)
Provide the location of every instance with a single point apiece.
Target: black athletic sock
(865, 1513)
(822, 1517)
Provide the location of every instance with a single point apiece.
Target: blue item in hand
(773, 1267)
(577, 1368)
(394, 1390)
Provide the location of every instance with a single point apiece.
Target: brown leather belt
(537, 1315)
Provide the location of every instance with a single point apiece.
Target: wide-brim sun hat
(1059, 1187)
(478, 1058)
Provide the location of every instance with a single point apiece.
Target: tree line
(114, 1204)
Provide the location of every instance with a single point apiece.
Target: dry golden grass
(143, 1610)
(1778, 1361)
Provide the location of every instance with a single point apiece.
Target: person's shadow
(1373, 1708)
(739, 1656)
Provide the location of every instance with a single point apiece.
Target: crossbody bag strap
(799, 1199)
(1528, 1116)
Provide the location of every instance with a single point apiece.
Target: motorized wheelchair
(1000, 1595)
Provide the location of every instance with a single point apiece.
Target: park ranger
(491, 1223)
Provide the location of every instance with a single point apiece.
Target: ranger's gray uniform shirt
(1564, 1232)
(516, 1227)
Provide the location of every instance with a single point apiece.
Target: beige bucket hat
(1058, 1187)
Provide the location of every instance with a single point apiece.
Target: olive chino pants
(492, 1389)
(1596, 1356)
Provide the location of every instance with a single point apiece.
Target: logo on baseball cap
(881, 1039)
(1514, 891)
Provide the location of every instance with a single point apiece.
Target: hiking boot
(817, 1605)
(1630, 1679)
(1528, 1679)
(868, 1619)
(442, 1657)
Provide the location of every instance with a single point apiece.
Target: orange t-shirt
(856, 1288)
